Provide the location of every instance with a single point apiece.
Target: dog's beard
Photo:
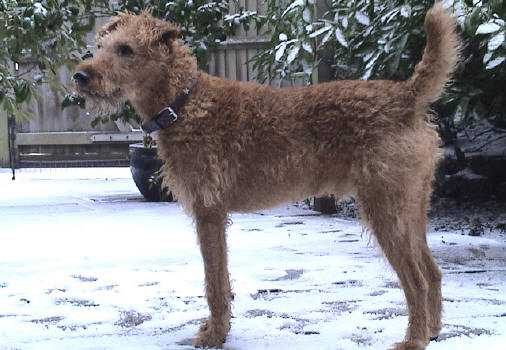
(103, 104)
(104, 108)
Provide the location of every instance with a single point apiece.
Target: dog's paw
(210, 336)
(410, 345)
(434, 331)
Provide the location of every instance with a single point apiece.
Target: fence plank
(231, 65)
(212, 64)
(221, 60)
(252, 73)
(242, 67)
(4, 140)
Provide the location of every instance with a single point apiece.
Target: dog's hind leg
(433, 276)
(384, 209)
(211, 225)
(429, 268)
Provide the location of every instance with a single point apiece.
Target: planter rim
(140, 145)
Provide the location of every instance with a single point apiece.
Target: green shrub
(36, 38)
(480, 81)
(367, 39)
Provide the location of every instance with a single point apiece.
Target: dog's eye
(124, 50)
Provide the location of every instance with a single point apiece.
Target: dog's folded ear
(112, 25)
(153, 31)
(167, 34)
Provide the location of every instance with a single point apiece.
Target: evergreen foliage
(367, 39)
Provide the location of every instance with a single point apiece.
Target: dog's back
(279, 145)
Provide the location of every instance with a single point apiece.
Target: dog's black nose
(81, 78)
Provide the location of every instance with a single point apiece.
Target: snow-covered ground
(85, 263)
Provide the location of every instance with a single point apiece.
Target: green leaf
(393, 64)
(460, 115)
(479, 111)
(21, 91)
(497, 6)
(21, 114)
(496, 41)
(88, 54)
(8, 105)
(487, 28)
(95, 122)
(73, 100)
(472, 22)
(496, 62)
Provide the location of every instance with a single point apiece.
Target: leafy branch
(367, 39)
(39, 37)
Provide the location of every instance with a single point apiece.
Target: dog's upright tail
(439, 58)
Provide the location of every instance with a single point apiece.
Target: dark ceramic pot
(145, 167)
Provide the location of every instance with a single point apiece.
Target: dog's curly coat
(244, 146)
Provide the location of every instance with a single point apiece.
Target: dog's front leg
(211, 224)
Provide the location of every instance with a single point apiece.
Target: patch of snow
(306, 15)
(340, 38)
(326, 37)
(280, 50)
(468, 174)
(292, 54)
(487, 57)
(39, 9)
(320, 31)
(406, 11)
(495, 42)
(307, 46)
(495, 62)
(362, 18)
(293, 6)
(85, 263)
(371, 62)
(344, 22)
(487, 28)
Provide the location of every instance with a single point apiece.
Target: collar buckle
(168, 116)
(169, 111)
(165, 118)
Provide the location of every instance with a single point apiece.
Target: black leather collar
(168, 116)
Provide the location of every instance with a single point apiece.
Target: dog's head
(133, 53)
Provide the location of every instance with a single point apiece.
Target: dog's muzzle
(82, 78)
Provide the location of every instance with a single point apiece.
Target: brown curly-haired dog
(239, 147)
